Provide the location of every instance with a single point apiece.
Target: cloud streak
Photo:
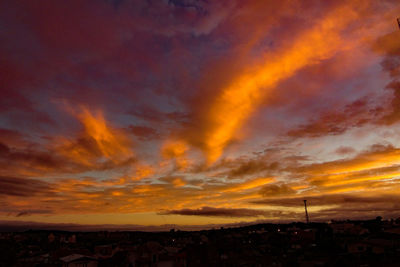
(237, 102)
(216, 212)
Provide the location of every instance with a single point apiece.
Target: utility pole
(305, 208)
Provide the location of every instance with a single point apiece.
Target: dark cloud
(216, 212)
(8, 135)
(32, 212)
(253, 167)
(4, 149)
(144, 132)
(170, 179)
(276, 190)
(14, 99)
(44, 162)
(11, 79)
(23, 187)
(391, 64)
(355, 114)
(28, 158)
(333, 199)
(268, 163)
(86, 145)
(115, 3)
(345, 150)
(390, 46)
(154, 115)
(394, 114)
(361, 111)
(365, 208)
(188, 4)
(22, 213)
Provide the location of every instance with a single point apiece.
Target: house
(357, 247)
(358, 230)
(341, 228)
(380, 246)
(104, 251)
(51, 238)
(78, 260)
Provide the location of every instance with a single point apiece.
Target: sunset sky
(199, 112)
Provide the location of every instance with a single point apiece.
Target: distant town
(336, 243)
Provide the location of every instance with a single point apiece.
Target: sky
(199, 112)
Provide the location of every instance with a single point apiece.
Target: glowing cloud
(176, 150)
(110, 142)
(98, 141)
(244, 95)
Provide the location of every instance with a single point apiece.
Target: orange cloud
(388, 44)
(143, 171)
(248, 185)
(178, 182)
(243, 96)
(176, 150)
(112, 143)
(373, 172)
(98, 142)
(379, 157)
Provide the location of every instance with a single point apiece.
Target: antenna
(305, 208)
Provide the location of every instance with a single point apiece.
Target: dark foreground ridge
(338, 243)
